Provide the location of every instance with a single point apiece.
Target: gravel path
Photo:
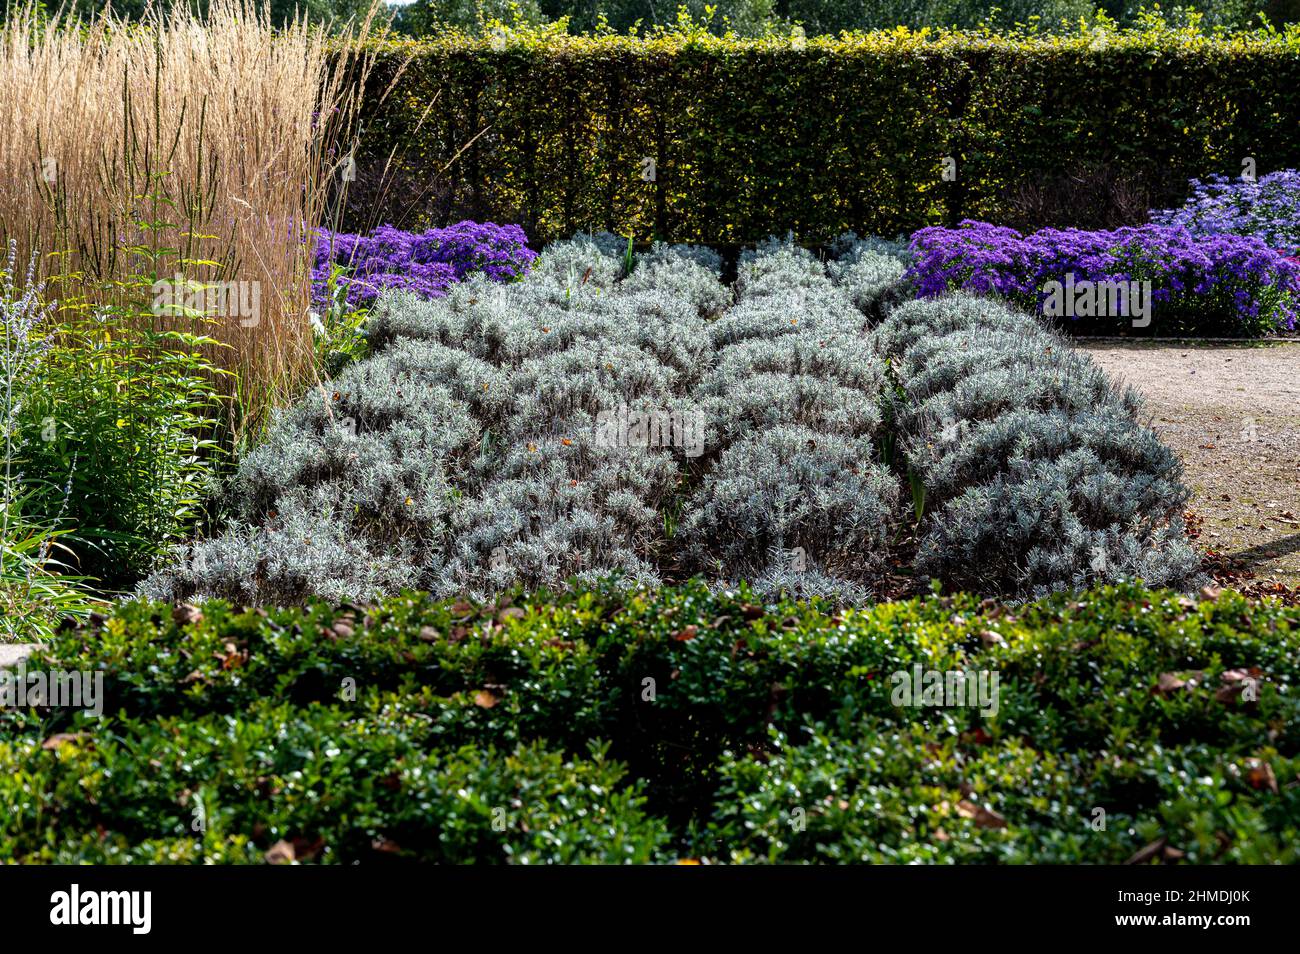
(1232, 414)
(11, 654)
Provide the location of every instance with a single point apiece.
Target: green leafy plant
(629, 258)
(127, 395)
(339, 326)
(35, 593)
(604, 724)
(917, 486)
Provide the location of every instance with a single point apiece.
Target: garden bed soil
(1232, 414)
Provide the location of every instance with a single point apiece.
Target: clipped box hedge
(658, 726)
(753, 137)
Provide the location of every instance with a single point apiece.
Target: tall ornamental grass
(209, 141)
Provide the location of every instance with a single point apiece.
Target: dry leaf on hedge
(1260, 775)
(186, 615)
(983, 817)
(1158, 850)
(281, 853)
(1171, 682)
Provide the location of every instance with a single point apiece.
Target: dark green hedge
(751, 138)
(524, 732)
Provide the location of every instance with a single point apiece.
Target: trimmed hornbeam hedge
(700, 139)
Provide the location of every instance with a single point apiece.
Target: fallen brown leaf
(281, 853)
(1170, 682)
(983, 817)
(1159, 850)
(186, 615)
(1260, 775)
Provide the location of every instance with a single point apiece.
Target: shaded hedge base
(665, 726)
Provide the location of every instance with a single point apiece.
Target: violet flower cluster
(1267, 208)
(425, 263)
(1221, 284)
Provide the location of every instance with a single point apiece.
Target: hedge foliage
(608, 725)
(749, 138)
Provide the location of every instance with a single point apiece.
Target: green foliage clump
(131, 414)
(35, 588)
(612, 725)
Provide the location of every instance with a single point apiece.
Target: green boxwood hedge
(657, 726)
(749, 138)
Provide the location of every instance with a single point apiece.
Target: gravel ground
(11, 654)
(1232, 414)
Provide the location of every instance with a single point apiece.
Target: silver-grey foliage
(850, 248)
(874, 283)
(796, 499)
(689, 272)
(467, 453)
(588, 421)
(1037, 473)
(870, 270)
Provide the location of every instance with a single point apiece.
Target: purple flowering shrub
(1230, 285)
(1268, 209)
(358, 268)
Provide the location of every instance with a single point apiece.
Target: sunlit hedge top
(1151, 32)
